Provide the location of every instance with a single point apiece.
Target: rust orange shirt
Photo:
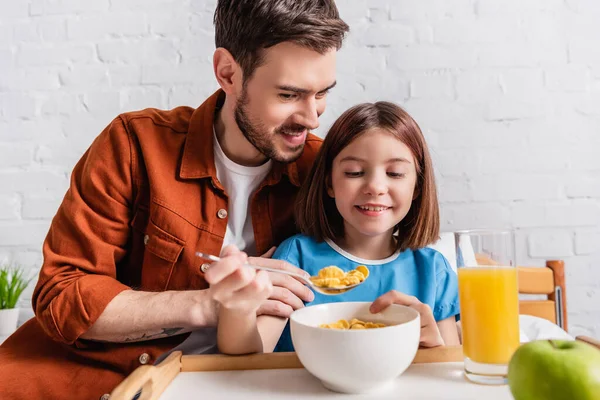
(142, 200)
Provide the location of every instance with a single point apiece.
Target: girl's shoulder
(298, 239)
(295, 245)
(426, 257)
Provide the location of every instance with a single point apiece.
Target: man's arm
(137, 316)
(87, 239)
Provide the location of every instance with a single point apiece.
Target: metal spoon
(307, 282)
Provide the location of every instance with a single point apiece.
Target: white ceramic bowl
(355, 361)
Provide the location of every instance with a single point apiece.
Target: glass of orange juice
(489, 302)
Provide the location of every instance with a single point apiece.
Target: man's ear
(227, 71)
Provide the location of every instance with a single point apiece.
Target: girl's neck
(368, 247)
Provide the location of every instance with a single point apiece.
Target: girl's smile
(372, 210)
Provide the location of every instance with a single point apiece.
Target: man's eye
(353, 174)
(396, 174)
(320, 95)
(287, 96)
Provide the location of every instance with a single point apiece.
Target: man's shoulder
(307, 159)
(313, 144)
(176, 119)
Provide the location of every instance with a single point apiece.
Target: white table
(419, 382)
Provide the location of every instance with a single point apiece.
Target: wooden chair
(549, 281)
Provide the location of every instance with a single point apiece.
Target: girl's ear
(416, 192)
(329, 187)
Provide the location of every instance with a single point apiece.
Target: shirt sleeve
(87, 239)
(288, 251)
(446, 296)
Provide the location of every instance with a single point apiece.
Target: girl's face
(373, 182)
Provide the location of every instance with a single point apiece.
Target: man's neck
(232, 141)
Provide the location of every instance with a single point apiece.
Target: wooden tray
(152, 381)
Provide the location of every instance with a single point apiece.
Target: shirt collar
(198, 159)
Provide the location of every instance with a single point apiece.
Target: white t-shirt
(239, 182)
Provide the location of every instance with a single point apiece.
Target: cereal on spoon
(335, 278)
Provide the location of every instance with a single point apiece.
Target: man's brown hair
(316, 213)
(246, 27)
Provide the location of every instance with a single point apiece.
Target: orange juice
(489, 311)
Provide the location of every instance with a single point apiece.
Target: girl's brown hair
(316, 213)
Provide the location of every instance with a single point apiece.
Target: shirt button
(105, 396)
(146, 238)
(222, 213)
(144, 358)
(204, 267)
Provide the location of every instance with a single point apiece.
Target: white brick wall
(507, 93)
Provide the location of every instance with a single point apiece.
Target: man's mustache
(291, 129)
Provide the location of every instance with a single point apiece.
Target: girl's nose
(375, 186)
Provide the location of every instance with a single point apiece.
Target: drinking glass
(489, 302)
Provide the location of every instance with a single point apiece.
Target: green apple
(555, 370)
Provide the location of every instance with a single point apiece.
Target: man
(121, 284)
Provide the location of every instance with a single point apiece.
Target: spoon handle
(277, 271)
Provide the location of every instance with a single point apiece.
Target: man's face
(284, 98)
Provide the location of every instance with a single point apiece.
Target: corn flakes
(335, 278)
(352, 324)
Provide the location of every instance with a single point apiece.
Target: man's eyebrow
(289, 88)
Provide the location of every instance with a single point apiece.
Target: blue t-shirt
(423, 273)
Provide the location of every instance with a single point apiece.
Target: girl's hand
(236, 287)
(430, 333)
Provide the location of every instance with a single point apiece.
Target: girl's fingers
(392, 297)
(430, 333)
(431, 337)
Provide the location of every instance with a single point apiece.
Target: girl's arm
(448, 331)
(245, 333)
(237, 333)
(239, 291)
(270, 329)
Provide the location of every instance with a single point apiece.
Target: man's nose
(309, 115)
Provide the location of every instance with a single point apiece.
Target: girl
(370, 199)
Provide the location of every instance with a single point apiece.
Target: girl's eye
(396, 174)
(353, 174)
(287, 96)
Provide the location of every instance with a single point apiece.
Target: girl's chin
(374, 233)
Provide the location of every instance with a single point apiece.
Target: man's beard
(258, 136)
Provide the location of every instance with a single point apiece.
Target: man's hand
(288, 293)
(237, 287)
(430, 333)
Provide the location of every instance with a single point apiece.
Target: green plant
(12, 284)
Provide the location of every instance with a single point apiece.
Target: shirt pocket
(162, 251)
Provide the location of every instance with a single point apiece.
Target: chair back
(548, 281)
